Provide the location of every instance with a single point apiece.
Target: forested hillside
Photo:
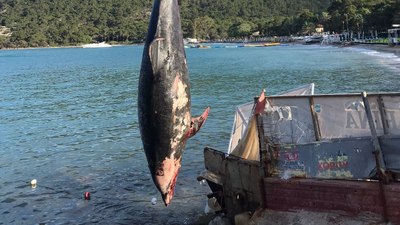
(31, 23)
(60, 22)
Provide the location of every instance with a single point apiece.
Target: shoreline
(58, 47)
(379, 48)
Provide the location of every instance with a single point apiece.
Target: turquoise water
(68, 118)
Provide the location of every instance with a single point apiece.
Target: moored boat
(313, 39)
(271, 44)
(197, 46)
(97, 45)
(267, 44)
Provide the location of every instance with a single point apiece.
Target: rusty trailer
(331, 153)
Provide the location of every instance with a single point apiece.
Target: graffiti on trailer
(357, 119)
(291, 156)
(334, 166)
(290, 165)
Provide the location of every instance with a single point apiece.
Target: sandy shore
(379, 47)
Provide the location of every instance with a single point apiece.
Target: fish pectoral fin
(197, 122)
(154, 52)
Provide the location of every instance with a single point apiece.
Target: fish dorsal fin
(197, 122)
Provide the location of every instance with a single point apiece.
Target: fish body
(164, 101)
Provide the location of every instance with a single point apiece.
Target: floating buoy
(87, 195)
(33, 183)
(153, 201)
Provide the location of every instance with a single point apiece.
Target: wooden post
(263, 160)
(314, 115)
(263, 156)
(380, 163)
(383, 115)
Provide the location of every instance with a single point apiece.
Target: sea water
(68, 118)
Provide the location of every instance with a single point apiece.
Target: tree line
(34, 23)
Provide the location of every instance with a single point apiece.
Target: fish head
(166, 176)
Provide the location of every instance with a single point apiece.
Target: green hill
(32, 23)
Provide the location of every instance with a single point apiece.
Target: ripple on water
(22, 205)
(69, 120)
(8, 200)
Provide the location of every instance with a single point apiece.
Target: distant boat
(262, 44)
(97, 45)
(254, 45)
(191, 41)
(272, 44)
(197, 46)
(313, 39)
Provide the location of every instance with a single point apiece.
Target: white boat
(97, 45)
(191, 41)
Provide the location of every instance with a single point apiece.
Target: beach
(380, 48)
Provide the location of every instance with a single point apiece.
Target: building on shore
(393, 36)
